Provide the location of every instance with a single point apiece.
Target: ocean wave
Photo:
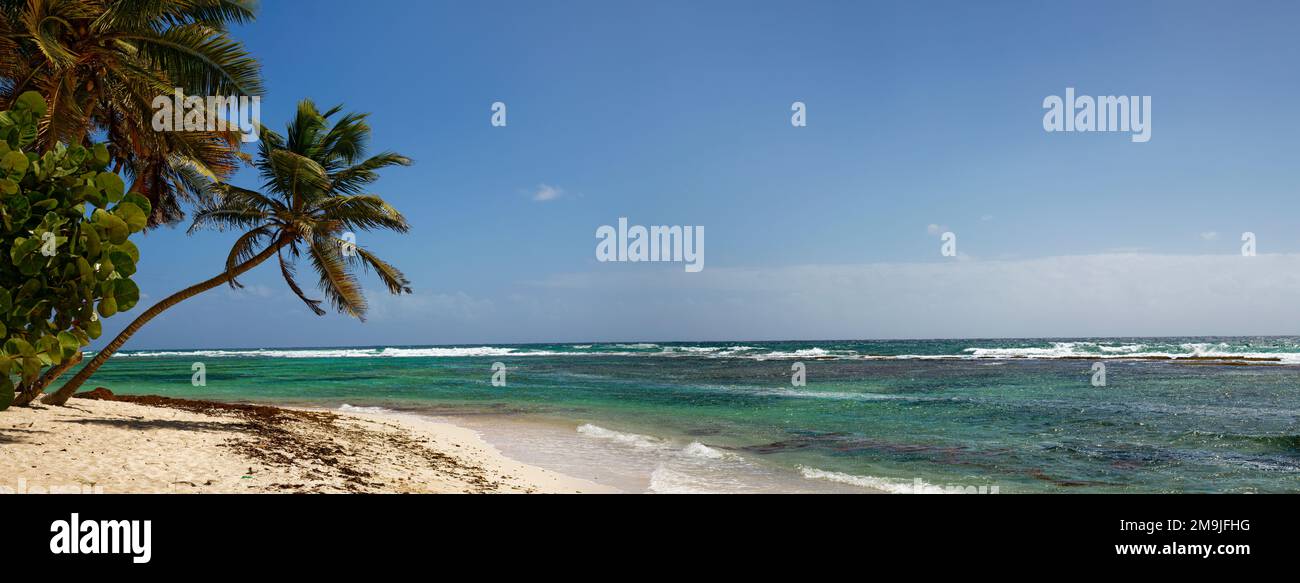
(666, 481)
(1125, 348)
(256, 353)
(694, 349)
(701, 451)
(1057, 350)
(346, 408)
(801, 353)
(761, 391)
(1091, 350)
(449, 352)
(1283, 353)
(710, 351)
(916, 486)
(833, 395)
(632, 439)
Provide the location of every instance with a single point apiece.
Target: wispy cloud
(1112, 294)
(425, 306)
(1087, 295)
(1210, 236)
(547, 193)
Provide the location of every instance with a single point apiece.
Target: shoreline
(124, 444)
(649, 462)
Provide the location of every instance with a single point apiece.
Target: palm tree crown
(101, 63)
(313, 180)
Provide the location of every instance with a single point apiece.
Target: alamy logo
(103, 537)
(1098, 374)
(498, 374)
(214, 113)
(1108, 113)
(657, 243)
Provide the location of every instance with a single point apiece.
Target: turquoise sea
(1174, 415)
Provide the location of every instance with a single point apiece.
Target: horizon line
(662, 342)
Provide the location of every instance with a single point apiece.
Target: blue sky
(678, 113)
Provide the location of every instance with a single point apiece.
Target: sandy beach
(158, 445)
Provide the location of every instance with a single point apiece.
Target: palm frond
(346, 140)
(201, 59)
(302, 132)
(368, 262)
(296, 175)
(339, 285)
(288, 270)
(245, 248)
(363, 212)
(158, 14)
(228, 215)
(47, 21)
(354, 179)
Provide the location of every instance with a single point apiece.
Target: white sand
(117, 447)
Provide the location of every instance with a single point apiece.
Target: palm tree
(101, 63)
(314, 178)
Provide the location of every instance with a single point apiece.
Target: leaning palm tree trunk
(30, 393)
(75, 382)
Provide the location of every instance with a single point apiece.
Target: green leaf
(32, 368)
(18, 209)
(51, 349)
(114, 227)
(6, 392)
(15, 163)
(80, 335)
(111, 185)
(92, 243)
(106, 269)
(101, 155)
(122, 263)
(31, 101)
(107, 307)
(23, 248)
(18, 347)
(137, 199)
(69, 344)
(84, 270)
(76, 156)
(32, 264)
(131, 250)
(127, 294)
(134, 218)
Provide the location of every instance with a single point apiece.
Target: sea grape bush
(65, 257)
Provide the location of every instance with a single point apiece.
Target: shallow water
(900, 416)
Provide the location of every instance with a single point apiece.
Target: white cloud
(1210, 236)
(424, 306)
(546, 193)
(935, 229)
(1088, 295)
(1110, 294)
